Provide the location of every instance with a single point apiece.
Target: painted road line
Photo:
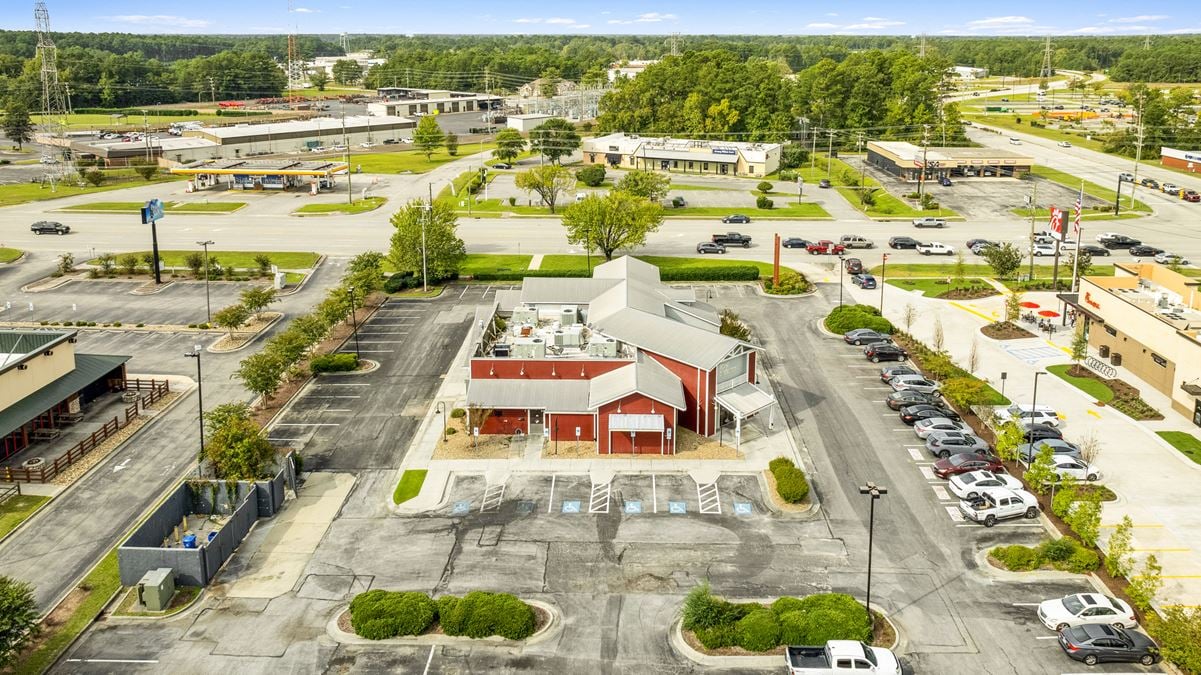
(112, 660)
(1046, 637)
(370, 351)
(914, 453)
(927, 473)
(880, 401)
(344, 384)
(877, 389)
(551, 504)
(953, 512)
(1135, 525)
(941, 493)
(332, 396)
(1161, 550)
(1026, 604)
(1038, 525)
(1094, 413)
(969, 310)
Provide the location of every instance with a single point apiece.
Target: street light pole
(883, 264)
(195, 354)
(354, 322)
(841, 266)
(1034, 399)
(208, 305)
(875, 492)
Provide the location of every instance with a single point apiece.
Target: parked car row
(1114, 240)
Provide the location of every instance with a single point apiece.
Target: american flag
(1076, 214)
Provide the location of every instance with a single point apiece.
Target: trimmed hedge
(164, 112)
(334, 363)
(379, 614)
(721, 273)
(1065, 554)
(401, 281)
(814, 619)
(791, 484)
(758, 631)
(851, 317)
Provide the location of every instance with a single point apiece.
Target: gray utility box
(156, 589)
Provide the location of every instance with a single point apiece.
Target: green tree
(452, 144)
(1119, 548)
(256, 298)
(195, 262)
(554, 139)
(617, 220)
(95, 177)
(428, 136)
(129, 263)
(509, 145)
(1085, 518)
(106, 261)
(444, 249)
(549, 86)
(365, 272)
(236, 447)
(232, 317)
(18, 618)
(66, 263)
(347, 71)
(1079, 348)
(1041, 473)
(1004, 259)
(1146, 585)
(262, 260)
(645, 184)
(319, 78)
(764, 186)
(146, 171)
(959, 272)
(17, 124)
(1009, 437)
(733, 326)
(592, 175)
(1013, 306)
(261, 373)
(548, 182)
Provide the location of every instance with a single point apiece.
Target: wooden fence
(48, 472)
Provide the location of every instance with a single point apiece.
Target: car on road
(856, 241)
(1064, 144)
(903, 242)
(1024, 413)
(1094, 250)
(1093, 644)
(1145, 250)
(915, 383)
(999, 504)
(1169, 188)
(946, 443)
(864, 280)
(935, 248)
(923, 428)
(710, 247)
(899, 399)
(49, 227)
(824, 247)
(1166, 258)
(736, 218)
(968, 485)
(944, 181)
(1037, 432)
(853, 265)
(930, 222)
(1079, 609)
(1038, 250)
(1190, 195)
(965, 462)
(1012, 140)
(1149, 182)
(1026, 452)
(502, 165)
(863, 336)
(1125, 177)
(889, 372)
(795, 242)
(885, 351)
(1066, 465)
(731, 239)
(823, 183)
(1120, 241)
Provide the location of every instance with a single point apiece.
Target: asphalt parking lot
(111, 300)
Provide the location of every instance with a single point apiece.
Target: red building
(620, 359)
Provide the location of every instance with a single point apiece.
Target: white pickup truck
(841, 656)
(999, 504)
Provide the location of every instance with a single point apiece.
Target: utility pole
(1033, 210)
(1138, 152)
(830, 152)
(921, 52)
(346, 154)
(863, 161)
(208, 305)
(429, 219)
(921, 177)
(212, 90)
(1047, 69)
(813, 152)
(146, 135)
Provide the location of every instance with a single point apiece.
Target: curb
(552, 628)
(279, 316)
(372, 366)
(990, 571)
(182, 611)
(20, 259)
(154, 288)
(303, 282)
(51, 285)
(811, 510)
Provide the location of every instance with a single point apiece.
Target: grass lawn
(497, 207)
(787, 210)
(846, 181)
(8, 255)
(933, 288)
(1070, 181)
(685, 186)
(972, 270)
(411, 160)
(1045, 214)
(579, 262)
(1188, 444)
(292, 260)
(101, 584)
(358, 206)
(492, 262)
(1094, 388)
(21, 193)
(409, 485)
(136, 122)
(16, 509)
(168, 207)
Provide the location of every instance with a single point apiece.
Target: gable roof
(678, 341)
(645, 376)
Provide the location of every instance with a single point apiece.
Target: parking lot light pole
(883, 264)
(208, 304)
(875, 492)
(841, 266)
(354, 322)
(440, 407)
(1034, 399)
(195, 354)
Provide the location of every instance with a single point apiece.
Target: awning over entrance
(1073, 300)
(88, 369)
(745, 400)
(636, 423)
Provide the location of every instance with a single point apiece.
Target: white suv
(1024, 413)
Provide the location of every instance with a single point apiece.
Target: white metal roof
(357, 124)
(567, 291)
(744, 400)
(645, 376)
(550, 395)
(681, 342)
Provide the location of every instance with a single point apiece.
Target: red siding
(693, 392)
(646, 442)
(750, 368)
(567, 424)
(506, 422)
(542, 369)
(1181, 164)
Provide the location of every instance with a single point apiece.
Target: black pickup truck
(732, 239)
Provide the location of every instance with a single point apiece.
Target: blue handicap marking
(742, 508)
(461, 508)
(677, 507)
(633, 507)
(571, 506)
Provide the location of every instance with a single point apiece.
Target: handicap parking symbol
(461, 508)
(742, 508)
(677, 507)
(633, 507)
(571, 506)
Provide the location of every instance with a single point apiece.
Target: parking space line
(941, 493)
(709, 498)
(914, 453)
(1038, 525)
(654, 496)
(332, 396)
(877, 389)
(880, 401)
(551, 504)
(308, 424)
(866, 377)
(927, 473)
(598, 500)
(370, 351)
(493, 495)
(343, 384)
(382, 342)
(956, 516)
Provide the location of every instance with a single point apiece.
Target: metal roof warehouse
(904, 160)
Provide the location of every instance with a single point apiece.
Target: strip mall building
(682, 155)
(1186, 160)
(620, 359)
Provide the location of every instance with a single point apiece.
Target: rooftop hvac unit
(573, 336)
(529, 348)
(560, 338)
(501, 350)
(156, 589)
(603, 347)
(568, 314)
(525, 314)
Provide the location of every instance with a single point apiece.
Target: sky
(772, 17)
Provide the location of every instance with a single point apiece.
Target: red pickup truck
(825, 246)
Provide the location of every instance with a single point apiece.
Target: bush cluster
(850, 317)
(790, 480)
(811, 620)
(457, 413)
(722, 273)
(1065, 554)
(1178, 631)
(401, 281)
(334, 363)
(379, 614)
(592, 175)
(763, 202)
(791, 283)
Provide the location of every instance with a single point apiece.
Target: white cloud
(1001, 21)
(1091, 30)
(1143, 18)
(553, 21)
(649, 17)
(159, 20)
(831, 13)
(526, 20)
(821, 25)
(872, 19)
(874, 24)
(305, 10)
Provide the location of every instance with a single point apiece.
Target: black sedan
(1120, 241)
(902, 242)
(1145, 250)
(864, 280)
(1094, 250)
(899, 399)
(1038, 432)
(913, 413)
(736, 218)
(795, 242)
(1095, 643)
(885, 351)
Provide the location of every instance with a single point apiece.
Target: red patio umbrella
(1030, 305)
(1050, 314)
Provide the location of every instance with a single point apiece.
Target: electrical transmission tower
(54, 103)
(922, 50)
(1147, 42)
(673, 43)
(295, 64)
(344, 42)
(1047, 69)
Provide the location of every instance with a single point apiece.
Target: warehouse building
(904, 160)
(619, 359)
(126, 153)
(681, 155)
(316, 134)
(242, 174)
(410, 102)
(1187, 160)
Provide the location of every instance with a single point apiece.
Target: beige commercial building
(682, 155)
(1147, 319)
(905, 160)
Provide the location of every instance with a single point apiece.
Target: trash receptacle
(1104, 351)
(1115, 359)
(189, 541)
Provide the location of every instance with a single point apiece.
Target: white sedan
(968, 485)
(1081, 608)
(1106, 236)
(935, 248)
(1067, 465)
(1038, 250)
(923, 428)
(1064, 144)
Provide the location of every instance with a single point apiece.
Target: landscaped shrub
(794, 627)
(480, 614)
(791, 283)
(758, 631)
(717, 636)
(702, 609)
(1065, 554)
(722, 273)
(786, 604)
(334, 363)
(457, 413)
(1057, 550)
(401, 281)
(790, 480)
(379, 614)
(763, 202)
(1178, 632)
(835, 616)
(1017, 558)
(592, 175)
(851, 317)
(1081, 561)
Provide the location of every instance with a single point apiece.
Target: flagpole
(1079, 240)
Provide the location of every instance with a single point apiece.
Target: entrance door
(535, 422)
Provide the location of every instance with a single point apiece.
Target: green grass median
(23, 193)
(1093, 387)
(1188, 444)
(168, 207)
(291, 260)
(1092, 189)
(409, 485)
(358, 206)
(410, 161)
(15, 510)
(8, 255)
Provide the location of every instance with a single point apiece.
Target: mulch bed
(1006, 330)
(1124, 395)
(973, 293)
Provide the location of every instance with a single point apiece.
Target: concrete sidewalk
(1154, 482)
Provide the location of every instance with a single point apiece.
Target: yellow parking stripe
(969, 310)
